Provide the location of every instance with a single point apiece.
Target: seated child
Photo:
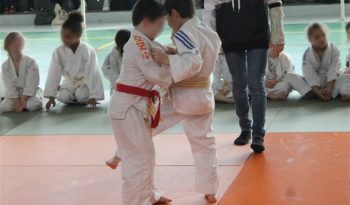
(281, 78)
(131, 105)
(113, 62)
(342, 85)
(321, 63)
(2, 88)
(222, 81)
(77, 63)
(20, 75)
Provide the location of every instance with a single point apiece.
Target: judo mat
(297, 168)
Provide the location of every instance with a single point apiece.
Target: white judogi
(130, 119)
(198, 48)
(319, 72)
(2, 87)
(25, 83)
(282, 69)
(342, 85)
(222, 79)
(82, 80)
(112, 66)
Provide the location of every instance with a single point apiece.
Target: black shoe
(258, 144)
(243, 138)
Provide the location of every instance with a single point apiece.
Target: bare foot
(211, 198)
(114, 162)
(163, 200)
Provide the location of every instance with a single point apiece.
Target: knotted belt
(153, 95)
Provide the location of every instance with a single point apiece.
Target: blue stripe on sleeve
(185, 37)
(179, 38)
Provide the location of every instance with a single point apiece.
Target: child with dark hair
(113, 62)
(132, 108)
(192, 99)
(77, 63)
(321, 63)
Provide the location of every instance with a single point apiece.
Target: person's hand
(327, 93)
(17, 107)
(51, 103)
(171, 51)
(277, 49)
(160, 57)
(92, 103)
(23, 100)
(347, 71)
(320, 93)
(271, 83)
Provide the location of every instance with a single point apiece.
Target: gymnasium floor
(57, 157)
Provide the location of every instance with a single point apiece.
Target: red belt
(151, 94)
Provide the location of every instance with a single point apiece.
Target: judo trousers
(290, 82)
(200, 134)
(134, 139)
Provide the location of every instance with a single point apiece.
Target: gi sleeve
(309, 72)
(11, 89)
(334, 67)
(218, 83)
(93, 77)
(276, 18)
(188, 61)
(111, 67)
(287, 64)
(32, 80)
(54, 76)
(153, 72)
(268, 74)
(208, 14)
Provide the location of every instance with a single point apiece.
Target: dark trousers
(247, 68)
(75, 6)
(8, 3)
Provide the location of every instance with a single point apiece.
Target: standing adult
(244, 30)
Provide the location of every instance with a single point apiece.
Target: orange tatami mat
(70, 170)
(296, 169)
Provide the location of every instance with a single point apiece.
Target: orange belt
(199, 83)
(151, 94)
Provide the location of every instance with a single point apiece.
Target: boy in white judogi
(281, 78)
(191, 99)
(133, 107)
(20, 76)
(222, 81)
(77, 63)
(112, 65)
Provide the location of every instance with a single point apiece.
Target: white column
(83, 11)
(342, 10)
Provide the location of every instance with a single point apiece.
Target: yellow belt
(200, 83)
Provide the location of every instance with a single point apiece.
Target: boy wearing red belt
(133, 108)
